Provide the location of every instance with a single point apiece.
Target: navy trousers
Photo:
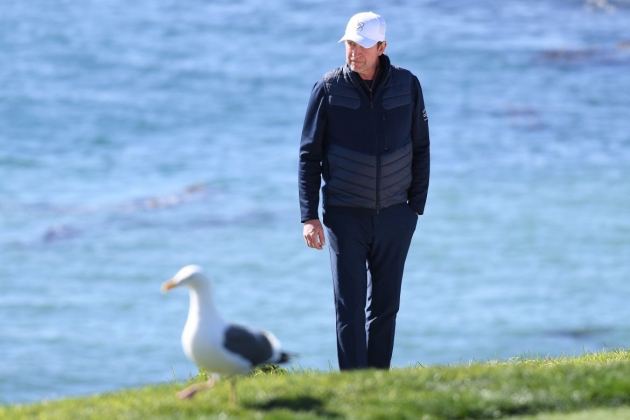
(367, 256)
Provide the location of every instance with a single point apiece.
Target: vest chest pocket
(345, 101)
(391, 102)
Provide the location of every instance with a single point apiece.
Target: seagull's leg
(190, 392)
(233, 390)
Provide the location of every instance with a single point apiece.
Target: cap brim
(361, 40)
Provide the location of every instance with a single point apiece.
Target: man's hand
(314, 234)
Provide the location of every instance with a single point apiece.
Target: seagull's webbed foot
(190, 392)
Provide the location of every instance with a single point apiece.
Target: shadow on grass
(304, 404)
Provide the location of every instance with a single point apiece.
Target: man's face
(364, 60)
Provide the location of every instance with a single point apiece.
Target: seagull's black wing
(252, 345)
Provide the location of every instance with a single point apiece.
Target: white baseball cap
(366, 29)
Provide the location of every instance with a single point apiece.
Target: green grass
(592, 386)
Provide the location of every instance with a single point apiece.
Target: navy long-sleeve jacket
(371, 148)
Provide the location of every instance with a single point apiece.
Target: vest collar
(382, 74)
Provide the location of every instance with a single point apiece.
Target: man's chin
(355, 68)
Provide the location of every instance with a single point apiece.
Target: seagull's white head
(191, 276)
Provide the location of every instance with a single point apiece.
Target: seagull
(219, 347)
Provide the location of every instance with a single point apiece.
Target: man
(366, 134)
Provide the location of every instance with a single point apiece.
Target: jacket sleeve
(421, 156)
(312, 153)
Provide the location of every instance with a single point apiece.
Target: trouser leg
(348, 243)
(393, 230)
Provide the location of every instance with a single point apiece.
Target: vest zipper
(378, 151)
(378, 163)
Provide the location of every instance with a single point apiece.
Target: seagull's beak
(168, 285)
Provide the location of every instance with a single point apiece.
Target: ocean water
(136, 138)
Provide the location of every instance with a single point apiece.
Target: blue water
(137, 137)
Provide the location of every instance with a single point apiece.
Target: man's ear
(381, 49)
